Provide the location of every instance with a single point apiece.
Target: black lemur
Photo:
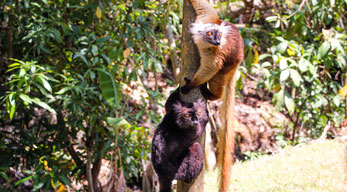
(175, 152)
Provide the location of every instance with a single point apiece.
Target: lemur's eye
(187, 115)
(209, 33)
(220, 34)
(198, 114)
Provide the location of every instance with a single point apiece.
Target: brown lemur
(220, 47)
(175, 152)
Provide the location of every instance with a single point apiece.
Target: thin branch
(300, 7)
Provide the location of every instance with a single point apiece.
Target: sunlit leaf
(303, 64)
(290, 105)
(256, 55)
(95, 50)
(62, 91)
(25, 98)
(337, 100)
(43, 105)
(98, 12)
(295, 76)
(284, 75)
(45, 83)
(283, 63)
(323, 49)
(282, 47)
(279, 97)
(290, 52)
(115, 122)
(271, 18)
(343, 91)
(23, 180)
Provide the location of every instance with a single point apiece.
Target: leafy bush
(68, 85)
(306, 64)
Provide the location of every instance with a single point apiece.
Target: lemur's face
(213, 37)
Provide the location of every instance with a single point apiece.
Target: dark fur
(175, 154)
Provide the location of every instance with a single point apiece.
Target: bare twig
(325, 131)
(300, 7)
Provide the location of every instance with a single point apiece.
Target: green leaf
(64, 179)
(279, 98)
(271, 18)
(108, 88)
(284, 75)
(323, 49)
(4, 176)
(38, 186)
(290, 105)
(62, 91)
(332, 3)
(95, 50)
(25, 98)
(282, 47)
(295, 77)
(23, 180)
(107, 59)
(337, 100)
(44, 82)
(283, 63)
(81, 56)
(43, 104)
(115, 122)
(13, 110)
(303, 64)
(263, 56)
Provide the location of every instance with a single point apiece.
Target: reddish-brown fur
(218, 67)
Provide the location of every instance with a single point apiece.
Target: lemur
(220, 47)
(175, 152)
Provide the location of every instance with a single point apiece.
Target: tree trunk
(190, 63)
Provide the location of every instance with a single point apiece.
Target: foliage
(74, 63)
(305, 65)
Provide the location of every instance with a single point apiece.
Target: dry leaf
(126, 53)
(98, 12)
(343, 91)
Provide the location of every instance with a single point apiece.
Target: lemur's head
(210, 33)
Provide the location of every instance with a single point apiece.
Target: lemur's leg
(201, 76)
(215, 87)
(192, 164)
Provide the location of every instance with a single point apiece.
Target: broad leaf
(282, 47)
(115, 122)
(303, 64)
(108, 88)
(284, 75)
(323, 49)
(43, 104)
(290, 105)
(295, 77)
